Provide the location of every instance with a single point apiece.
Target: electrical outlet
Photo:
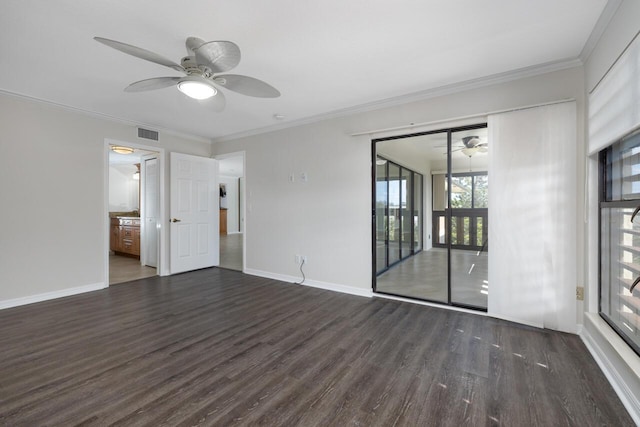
(303, 258)
(580, 293)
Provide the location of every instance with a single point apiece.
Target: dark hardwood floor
(216, 347)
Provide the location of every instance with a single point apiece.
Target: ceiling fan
(472, 145)
(202, 67)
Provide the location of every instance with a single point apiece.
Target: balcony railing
(469, 229)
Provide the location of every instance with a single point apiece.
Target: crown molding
(107, 117)
(414, 97)
(603, 21)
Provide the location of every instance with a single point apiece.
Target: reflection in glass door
(448, 262)
(393, 228)
(417, 212)
(406, 212)
(469, 201)
(381, 214)
(398, 228)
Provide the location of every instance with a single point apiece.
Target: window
(469, 213)
(620, 238)
(398, 212)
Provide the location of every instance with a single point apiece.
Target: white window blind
(614, 105)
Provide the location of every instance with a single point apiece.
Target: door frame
(144, 228)
(162, 268)
(243, 200)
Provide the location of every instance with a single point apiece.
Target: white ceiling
(323, 56)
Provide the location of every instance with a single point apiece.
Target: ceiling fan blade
(151, 84)
(247, 86)
(216, 102)
(219, 56)
(140, 53)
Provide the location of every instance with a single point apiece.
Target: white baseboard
(15, 302)
(612, 363)
(313, 283)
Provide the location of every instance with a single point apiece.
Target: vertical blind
(532, 212)
(614, 105)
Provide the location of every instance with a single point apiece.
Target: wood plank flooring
(216, 347)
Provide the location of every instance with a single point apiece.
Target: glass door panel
(469, 214)
(417, 212)
(395, 237)
(382, 219)
(406, 191)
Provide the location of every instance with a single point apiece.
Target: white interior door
(150, 210)
(194, 222)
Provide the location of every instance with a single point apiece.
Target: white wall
(124, 194)
(328, 218)
(52, 190)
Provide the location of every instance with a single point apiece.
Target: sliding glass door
(396, 224)
(446, 172)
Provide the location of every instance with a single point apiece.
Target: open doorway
(431, 216)
(133, 212)
(231, 179)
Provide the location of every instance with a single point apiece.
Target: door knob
(175, 220)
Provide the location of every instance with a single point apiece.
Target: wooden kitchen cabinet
(125, 236)
(223, 221)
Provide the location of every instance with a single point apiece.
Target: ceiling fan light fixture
(469, 151)
(121, 149)
(196, 89)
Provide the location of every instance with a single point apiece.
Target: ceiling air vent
(147, 134)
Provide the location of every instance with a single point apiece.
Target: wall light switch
(292, 177)
(304, 177)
